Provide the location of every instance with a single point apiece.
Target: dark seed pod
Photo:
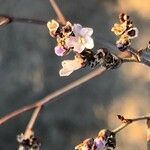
(31, 143)
(88, 57)
(108, 60)
(148, 45)
(111, 141)
(122, 47)
(109, 138)
(103, 58)
(123, 17)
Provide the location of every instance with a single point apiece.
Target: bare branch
(5, 20)
(126, 122)
(32, 122)
(55, 94)
(58, 12)
(29, 132)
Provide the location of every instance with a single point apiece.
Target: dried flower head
(67, 29)
(132, 33)
(31, 143)
(52, 25)
(126, 32)
(119, 29)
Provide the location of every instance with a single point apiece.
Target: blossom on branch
(126, 32)
(81, 39)
(70, 37)
(104, 141)
(28, 143)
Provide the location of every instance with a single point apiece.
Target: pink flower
(59, 50)
(81, 40)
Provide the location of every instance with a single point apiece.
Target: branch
(59, 92)
(5, 20)
(126, 122)
(31, 122)
(53, 95)
(106, 139)
(60, 16)
(29, 132)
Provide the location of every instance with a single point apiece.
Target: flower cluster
(104, 141)
(70, 37)
(30, 143)
(78, 39)
(126, 32)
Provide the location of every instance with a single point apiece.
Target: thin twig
(61, 18)
(31, 122)
(58, 12)
(126, 122)
(5, 20)
(121, 127)
(53, 95)
(29, 132)
(28, 20)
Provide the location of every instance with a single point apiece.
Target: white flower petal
(89, 43)
(79, 47)
(86, 32)
(76, 29)
(69, 66)
(71, 41)
(65, 72)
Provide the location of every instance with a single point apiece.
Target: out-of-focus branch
(29, 132)
(29, 127)
(28, 20)
(5, 20)
(60, 16)
(55, 94)
(126, 122)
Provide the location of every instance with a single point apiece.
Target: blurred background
(29, 71)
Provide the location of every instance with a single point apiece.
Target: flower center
(81, 40)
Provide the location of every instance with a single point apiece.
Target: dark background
(29, 71)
